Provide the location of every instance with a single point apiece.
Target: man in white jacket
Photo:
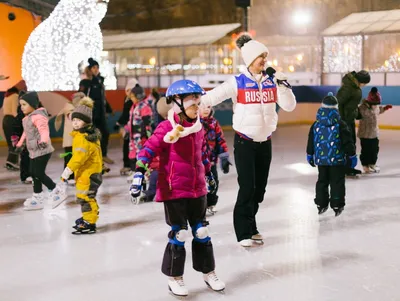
(254, 95)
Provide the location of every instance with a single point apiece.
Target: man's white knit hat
(251, 49)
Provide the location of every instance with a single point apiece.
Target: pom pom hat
(250, 49)
(84, 110)
(330, 101)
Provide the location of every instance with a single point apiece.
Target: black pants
(212, 198)
(68, 149)
(9, 125)
(253, 160)
(101, 125)
(369, 151)
(24, 166)
(179, 212)
(352, 128)
(38, 172)
(125, 152)
(332, 177)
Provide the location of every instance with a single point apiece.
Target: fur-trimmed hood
(91, 133)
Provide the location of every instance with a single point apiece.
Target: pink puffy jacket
(183, 164)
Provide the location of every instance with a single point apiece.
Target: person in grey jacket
(368, 130)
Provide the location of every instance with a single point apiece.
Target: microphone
(271, 71)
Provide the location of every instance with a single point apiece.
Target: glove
(280, 79)
(387, 107)
(66, 174)
(310, 160)
(14, 140)
(136, 186)
(42, 145)
(224, 157)
(353, 161)
(211, 184)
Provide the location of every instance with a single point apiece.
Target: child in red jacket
(216, 146)
(183, 171)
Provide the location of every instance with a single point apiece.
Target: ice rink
(305, 257)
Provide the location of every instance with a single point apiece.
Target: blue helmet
(184, 86)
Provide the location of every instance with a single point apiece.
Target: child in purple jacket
(183, 172)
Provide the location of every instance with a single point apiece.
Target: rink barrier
(308, 102)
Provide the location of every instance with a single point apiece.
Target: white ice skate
(211, 210)
(58, 195)
(246, 243)
(35, 202)
(257, 238)
(213, 282)
(374, 168)
(28, 180)
(177, 286)
(367, 169)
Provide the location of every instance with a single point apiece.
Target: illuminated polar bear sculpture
(70, 35)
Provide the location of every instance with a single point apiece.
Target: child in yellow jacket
(86, 164)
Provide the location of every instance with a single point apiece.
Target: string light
(342, 54)
(390, 65)
(70, 35)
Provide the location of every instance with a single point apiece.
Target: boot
(213, 281)
(35, 202)
(177, 286)
(84, 228)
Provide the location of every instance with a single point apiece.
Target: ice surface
(304, 258)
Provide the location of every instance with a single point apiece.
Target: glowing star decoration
(342, 54)
(70, 35)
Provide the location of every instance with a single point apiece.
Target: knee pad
(200, 232)
(178, 235)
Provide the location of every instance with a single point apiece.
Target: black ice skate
(322, 210)
(84, 227)
(338, 211)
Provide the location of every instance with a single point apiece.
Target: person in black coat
(93, 86)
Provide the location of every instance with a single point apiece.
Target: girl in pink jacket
(181, 186)
(36, 138)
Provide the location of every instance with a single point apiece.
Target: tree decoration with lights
(342, 54)
(70, 35)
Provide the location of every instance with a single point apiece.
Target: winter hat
(251, 49)
(374, 97)
(330, 101)
(92, 63)
(363, 77)
(138, 91)
(84, 110)
(32, 98)
(76, 98)
(131, 84)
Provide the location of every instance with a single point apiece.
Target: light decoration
(342, 54)
(68, 37)
(390, 65)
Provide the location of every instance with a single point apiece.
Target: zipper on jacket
(170, 175)
(193, 164)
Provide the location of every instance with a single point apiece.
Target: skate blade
(180, 297)
(58, 203)
(83, 233)
(258, 242)
(218, 291)
(33, 209)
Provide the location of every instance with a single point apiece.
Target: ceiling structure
(187, 36)
(366, 23)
